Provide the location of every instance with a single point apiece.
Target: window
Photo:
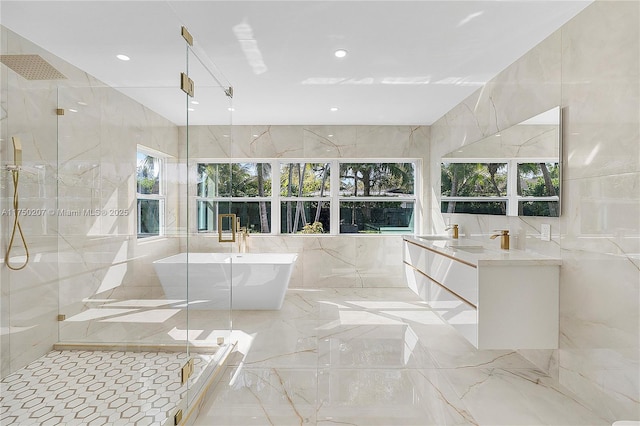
(508, 187)
(150, 193)
(305, 191)
(240, 188)
(385, 194)
(321, 197)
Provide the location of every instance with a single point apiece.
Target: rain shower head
(32, 67)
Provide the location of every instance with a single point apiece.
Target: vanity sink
(469, 249)
(454, 243)
(463, 244)
(434, 237)
(496, 299)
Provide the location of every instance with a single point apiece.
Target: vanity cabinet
(495, 299)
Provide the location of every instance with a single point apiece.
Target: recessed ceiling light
(123, 57)
(333, 109)
(340, 53)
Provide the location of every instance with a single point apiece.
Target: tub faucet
(455, 230)
(242, 240)
(245, 234)
(504, 238)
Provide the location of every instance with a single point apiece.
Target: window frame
(333, 198)
(328, 198)
(161, 197)
(406, 198)
(231, 199)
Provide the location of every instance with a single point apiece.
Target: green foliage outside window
(149, 196)
(234, 180)
(376, 179)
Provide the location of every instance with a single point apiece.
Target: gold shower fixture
(15, 174)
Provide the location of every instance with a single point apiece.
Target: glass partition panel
(29, 288)
(211, 256)
(118, 197)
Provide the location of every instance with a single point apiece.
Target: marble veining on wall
(79, 162)
(338, 261)
(590, 67)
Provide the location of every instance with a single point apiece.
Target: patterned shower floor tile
(95, 388)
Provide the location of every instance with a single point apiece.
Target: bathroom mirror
(515, 172)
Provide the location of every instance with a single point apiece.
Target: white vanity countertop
(479, 253)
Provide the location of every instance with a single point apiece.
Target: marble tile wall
(323, 261)
(83, 160)
(590, 67)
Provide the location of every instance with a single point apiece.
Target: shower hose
(16, 225)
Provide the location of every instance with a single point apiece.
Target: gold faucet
(504, 238)
(455, 230)
(242, 240)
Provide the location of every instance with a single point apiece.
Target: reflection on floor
(376, 357)
(144, 321)
(96, 388)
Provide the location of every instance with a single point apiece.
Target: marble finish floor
(376, 357)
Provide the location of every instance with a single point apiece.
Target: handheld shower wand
(15, 173)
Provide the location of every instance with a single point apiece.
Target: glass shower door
(135, 275)
(211, 226)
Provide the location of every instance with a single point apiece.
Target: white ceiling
(409, 62)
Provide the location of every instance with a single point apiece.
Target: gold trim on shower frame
(187, 35)
(187, 85)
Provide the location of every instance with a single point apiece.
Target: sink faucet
(455, 230)
(504, 238)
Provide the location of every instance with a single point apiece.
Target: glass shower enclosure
(106, 194)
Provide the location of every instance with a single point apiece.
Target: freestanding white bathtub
(246, 280)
